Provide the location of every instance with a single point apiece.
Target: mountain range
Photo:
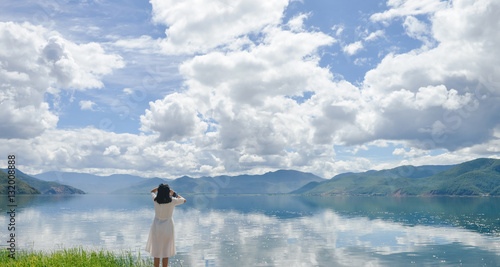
(26, 184)
(278, 182)
(480, 177)
(91, 183)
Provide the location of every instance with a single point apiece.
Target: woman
(161, 236)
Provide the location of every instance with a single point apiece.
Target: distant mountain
(277, 182)
(308, 187)
(49, 188)
(472, 178)
(90, 183)
(21, 186)
(282, 181)
(142, 186)
(405, 171)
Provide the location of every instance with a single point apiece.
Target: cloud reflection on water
(230, 236)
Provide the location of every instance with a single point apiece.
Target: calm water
(273, 230)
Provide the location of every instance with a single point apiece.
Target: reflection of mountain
(472, 178)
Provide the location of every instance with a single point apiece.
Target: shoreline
(73, 256)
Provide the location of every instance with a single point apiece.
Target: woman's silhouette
(161, 240)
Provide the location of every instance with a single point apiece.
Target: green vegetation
(480, 177)
(72, 257)
(21, 186)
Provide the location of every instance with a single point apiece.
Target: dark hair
(163, 195)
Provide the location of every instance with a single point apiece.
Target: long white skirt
(161, 240)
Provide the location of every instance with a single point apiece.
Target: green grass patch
(72, 257)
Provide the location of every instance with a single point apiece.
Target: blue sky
(172, 88)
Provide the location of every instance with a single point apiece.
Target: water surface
(273, 230)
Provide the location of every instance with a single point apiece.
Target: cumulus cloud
(353, 48)
(451, 85)
(105, 153)
(111, 151)
(198, 26)
(244, 99)
(256, 97)
(174, 118)
(35, 61)
(239, 104)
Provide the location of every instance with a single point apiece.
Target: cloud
(143, 44)
(198, 26)
(87, 105)
(241, 101)
(34, 62)
(174, 118)
(257, 96)
(452, 85)
(416, 29)
(374, 35)
(353, 48)
(296, 23)
(409, 154)
(111, 151)
(338, 29)
(409, 8)
(128, 91)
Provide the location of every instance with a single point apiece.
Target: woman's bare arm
(181, 197)
(154, 190)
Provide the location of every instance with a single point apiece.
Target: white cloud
(237, 110)
(143, 44)
(338, 29)
(87, 105)
(452, 83)
(417, 29)
(409, 8)
(128, 91)
(174, 118)
(243, 99)
(198, 26)
(35, 61)
(296, 23)
(353, 48)
(111, 151)
(374, 35)
(413, 153)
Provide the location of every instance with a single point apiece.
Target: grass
(72, 257)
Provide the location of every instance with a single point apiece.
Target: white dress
(161, 239)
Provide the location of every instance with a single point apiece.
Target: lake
(276, 230)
